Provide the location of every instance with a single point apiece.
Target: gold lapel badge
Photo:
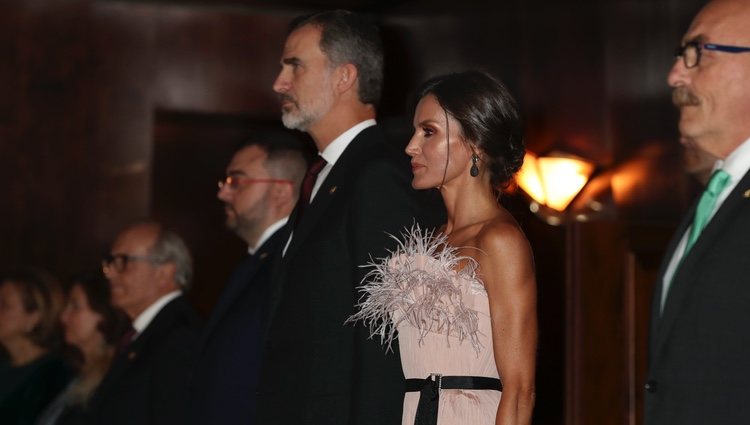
(746, 194)
(263, 255)
(333, 190)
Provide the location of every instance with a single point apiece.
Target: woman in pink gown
(461, 302)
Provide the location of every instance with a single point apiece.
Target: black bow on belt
(430, 387)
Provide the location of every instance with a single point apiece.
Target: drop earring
(474, 171)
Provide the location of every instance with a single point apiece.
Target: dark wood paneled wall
(611, 269)
(106, 109)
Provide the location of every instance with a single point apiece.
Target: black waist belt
(429, 392)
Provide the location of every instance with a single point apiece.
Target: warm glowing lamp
(554, 180)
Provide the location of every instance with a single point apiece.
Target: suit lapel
(240, 279)
(334, 185)
(122, 361)
(162, 322)
(336, 181)
(682, 282)
(243, 278)
(656, 299)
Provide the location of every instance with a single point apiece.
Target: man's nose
(678, 75)
(281, 84)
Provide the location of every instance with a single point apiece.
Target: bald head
(146, 263)
(714, 96)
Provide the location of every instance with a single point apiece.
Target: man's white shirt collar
(147, 316)
(736, 164)
(335, 149)
(270, 230)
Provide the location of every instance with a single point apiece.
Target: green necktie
(718, 182)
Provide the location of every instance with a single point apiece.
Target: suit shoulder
(381, 162)
(177, 320)
(372, 146)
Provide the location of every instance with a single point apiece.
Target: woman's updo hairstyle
(489, 119)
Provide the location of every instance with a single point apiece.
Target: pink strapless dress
(441, 318)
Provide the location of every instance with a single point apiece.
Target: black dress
(26, 390)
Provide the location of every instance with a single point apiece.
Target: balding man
(699, 358)
(149, 268)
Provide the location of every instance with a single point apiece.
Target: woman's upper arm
(507, 270)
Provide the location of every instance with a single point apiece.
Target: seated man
(149, 268)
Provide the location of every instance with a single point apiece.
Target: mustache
(283, 97)
(681, 96)
(229, 207)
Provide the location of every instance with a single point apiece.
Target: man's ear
(346, 75)
(284, 192)
(166, 274)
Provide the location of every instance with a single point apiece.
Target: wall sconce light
(552, 182)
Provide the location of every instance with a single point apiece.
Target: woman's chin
(415, 184)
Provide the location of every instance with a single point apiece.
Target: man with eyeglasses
(699, 347)
(259, 191)
(149, 268)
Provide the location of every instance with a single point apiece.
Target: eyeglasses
(119, 262)
(690, 52)
(234, 183)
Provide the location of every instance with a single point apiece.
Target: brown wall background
(115, 110)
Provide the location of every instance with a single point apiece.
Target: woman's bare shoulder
(501, 234)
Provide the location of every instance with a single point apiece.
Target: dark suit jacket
(699, 347)
(147, 382)
(225, 379)
(316, 369)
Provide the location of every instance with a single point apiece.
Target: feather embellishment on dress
(419, 285)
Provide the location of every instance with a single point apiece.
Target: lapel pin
(263, 255)
(746, 194)
(333, 190)
(132, 355)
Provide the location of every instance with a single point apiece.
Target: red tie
(307, 186)
(125, 339)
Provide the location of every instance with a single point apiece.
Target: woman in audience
(92, 327)
(30, 304)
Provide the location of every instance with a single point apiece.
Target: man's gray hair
(353, 38)
(286, 157)
(170, 248)
(287, 164)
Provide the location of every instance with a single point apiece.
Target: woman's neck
(23, 351)
(468, 204)
(96, 360)
(95, 365)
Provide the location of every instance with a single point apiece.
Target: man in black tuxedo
(316, 369)
(259, 191)
(699, 350)
(148, 269)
